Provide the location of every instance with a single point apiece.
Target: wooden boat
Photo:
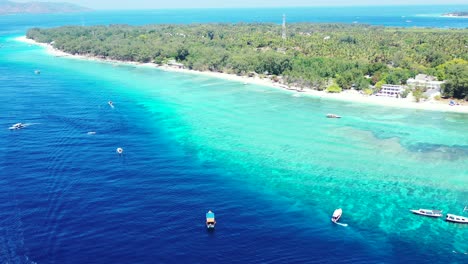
(333, 116)
(456, 219)
(336, 215)
(427, 212)
(210, 220)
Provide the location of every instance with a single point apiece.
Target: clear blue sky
(144, 4)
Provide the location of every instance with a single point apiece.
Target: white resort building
(391, 90)
(424, 81)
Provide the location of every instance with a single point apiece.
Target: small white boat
(37, 72)
(427, 212)
(456, 219)
(333, 116)
(210, 220)
(111, 104)
(119, 150)
(336, 215)
(17, 126)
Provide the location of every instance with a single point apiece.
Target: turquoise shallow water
(376, 163)
(268, 163)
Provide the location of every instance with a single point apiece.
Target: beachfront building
(391, 90)
(429, 84)
(425, 82)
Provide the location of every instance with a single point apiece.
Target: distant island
(9, 7)
(456, 14)
(330, 57)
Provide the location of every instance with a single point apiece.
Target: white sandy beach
(349, 96)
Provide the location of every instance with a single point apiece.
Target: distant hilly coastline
(10, 7)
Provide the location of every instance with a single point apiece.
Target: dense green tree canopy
(312, 55)
(457, 81)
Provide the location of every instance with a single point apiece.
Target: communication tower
(283, 35)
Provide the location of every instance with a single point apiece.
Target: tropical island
(323, 57)
(456, 14)
(10, 7)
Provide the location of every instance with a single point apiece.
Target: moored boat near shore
(456, 219)
(427, 212)
(333, 116)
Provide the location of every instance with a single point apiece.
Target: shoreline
(352, 96)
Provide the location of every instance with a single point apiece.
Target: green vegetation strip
(313, 55)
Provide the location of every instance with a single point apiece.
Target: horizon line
(272, 7)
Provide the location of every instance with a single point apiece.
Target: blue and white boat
(210, 220)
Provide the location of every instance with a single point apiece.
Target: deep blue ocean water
(261, 159)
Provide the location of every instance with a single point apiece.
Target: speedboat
(336, 215)
(456, 219)
(333, 116)
(427, 212)
(210, 220)
(37, 72)
(17, 126)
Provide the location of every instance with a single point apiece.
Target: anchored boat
(427, 212)
(333, 116)
(456, 219)
(336, 215)
(210, 220)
